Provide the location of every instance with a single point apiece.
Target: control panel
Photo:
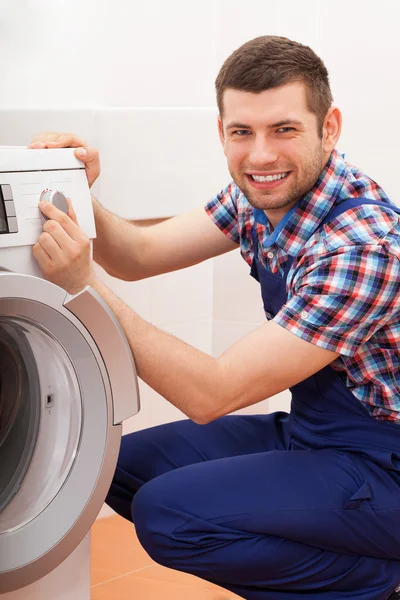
(8, 217)
(27, 174)
(24, 176)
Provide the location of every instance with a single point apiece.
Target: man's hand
(89, 156)
(63, 250)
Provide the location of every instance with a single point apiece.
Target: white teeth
(260, 178)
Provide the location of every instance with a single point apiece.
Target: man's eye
(285, 129)
(241, 132)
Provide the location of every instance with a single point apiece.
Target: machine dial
(56, 198)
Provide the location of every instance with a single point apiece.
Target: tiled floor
(121, 570)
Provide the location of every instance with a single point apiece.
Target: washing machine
(67, 382)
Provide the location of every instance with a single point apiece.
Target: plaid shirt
(344, 284)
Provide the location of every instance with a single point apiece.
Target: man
(272, 506)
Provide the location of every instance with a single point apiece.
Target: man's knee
(170, 528)
(155, 521)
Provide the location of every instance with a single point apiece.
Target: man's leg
(277, 525)
(152, 452)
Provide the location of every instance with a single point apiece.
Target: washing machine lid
(94, 364)
(20, 158)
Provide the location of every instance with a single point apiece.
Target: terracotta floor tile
(101, 575)
(116, 548)
(122, 570)
(142, 586)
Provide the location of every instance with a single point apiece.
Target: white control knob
(56, 198)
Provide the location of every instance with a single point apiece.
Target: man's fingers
(59, 235)
(49, 246)
(68, 224)
(37, 145)
(46, 136)
(56, 139)
(41, 255)
(66, 140)
(91, 160)
(71, 212)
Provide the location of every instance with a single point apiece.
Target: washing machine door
(67, 381)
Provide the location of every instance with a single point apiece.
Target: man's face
(273, 147)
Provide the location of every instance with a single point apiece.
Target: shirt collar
(298, 225)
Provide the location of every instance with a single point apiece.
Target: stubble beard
(274, 199)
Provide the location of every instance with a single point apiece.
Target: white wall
(136, 79)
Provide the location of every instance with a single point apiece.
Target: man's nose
(263, 152)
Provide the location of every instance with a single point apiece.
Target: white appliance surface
(69, 581)
(24, 175)
(78, 399)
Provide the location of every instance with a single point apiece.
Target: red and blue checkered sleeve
(223, 210)
(341, 299)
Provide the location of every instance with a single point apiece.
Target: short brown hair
(268, 62)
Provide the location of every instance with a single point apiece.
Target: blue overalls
(272, 507)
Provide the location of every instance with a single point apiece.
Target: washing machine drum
(19, 408)
(40, 420)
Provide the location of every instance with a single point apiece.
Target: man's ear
(331, 129)
(221, 131)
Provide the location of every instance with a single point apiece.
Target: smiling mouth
(268, 178)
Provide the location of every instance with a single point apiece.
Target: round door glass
(40, 420)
